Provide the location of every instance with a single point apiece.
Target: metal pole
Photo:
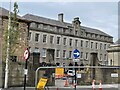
(75, 79)
(8, 49)
(25, 75)
(75, 75)
(36, 77)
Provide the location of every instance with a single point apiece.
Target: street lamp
(8, 49)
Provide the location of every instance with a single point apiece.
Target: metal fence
(84, 75)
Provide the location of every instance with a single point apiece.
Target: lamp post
(8, 49)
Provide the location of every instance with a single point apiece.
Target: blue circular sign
(76, 53)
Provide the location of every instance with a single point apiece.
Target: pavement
(104, 87)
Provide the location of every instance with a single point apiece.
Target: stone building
(16, 65)
(114, 54)
(56, 40)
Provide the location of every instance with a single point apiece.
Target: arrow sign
(76, 53)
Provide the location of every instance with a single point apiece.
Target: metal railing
(73, 67)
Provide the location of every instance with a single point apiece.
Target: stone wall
(16, 68)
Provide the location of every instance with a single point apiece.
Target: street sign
(76, 53)
(114, 74)
(42, 83)
(76, 60)
(25, 71)
(79, 75)
(59, 72)
(26, 54)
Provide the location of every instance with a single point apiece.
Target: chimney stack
(60, 17)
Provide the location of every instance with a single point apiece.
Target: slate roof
(35, 18)
(61, 24)
(44, 20)
(96, 31)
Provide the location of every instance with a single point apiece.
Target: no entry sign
(26, 54)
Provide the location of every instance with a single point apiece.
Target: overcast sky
(99, 15)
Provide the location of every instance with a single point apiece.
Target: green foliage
(13, 34)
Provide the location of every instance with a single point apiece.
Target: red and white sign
(26, 54)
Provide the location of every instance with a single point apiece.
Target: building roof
(44, 20)
(5, 12)
(95, 31)
(61, 24)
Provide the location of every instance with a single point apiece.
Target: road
(104, 87)
(59, 85)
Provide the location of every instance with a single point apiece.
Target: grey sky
(100, 15)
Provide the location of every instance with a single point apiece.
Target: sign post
(26, 57)
(76, 54)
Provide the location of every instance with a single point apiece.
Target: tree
(13, 34)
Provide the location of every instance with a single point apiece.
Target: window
(96, 35)
(76, 32)
(51, 39)
(104, 46)
(91, 44)
(44, 38)
(86, 55)
(108, 45)
(86, 34)
(33, 25)
(44, 52)
(58, 53)
(30, 35)
(100, 57)
(86, 43)
(64, 41)
(58, 40)
(81, 43)
(45, 26)
(105, 57)
(36, 49)
(81, 33)
(81, 55)
(76, 43)
(100, 45)
(96, 45)
(70, 31)
(36, 37)
(13, 58)
(70, 42)
(111, 62)
(64, 30)
(70, 54)
(39, 26)
(64, 53)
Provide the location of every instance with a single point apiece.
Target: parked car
(64, 78)
(71, 73)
